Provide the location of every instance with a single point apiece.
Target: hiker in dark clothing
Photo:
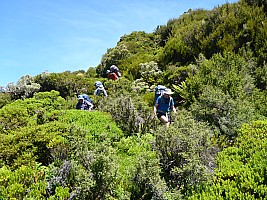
(84, 104)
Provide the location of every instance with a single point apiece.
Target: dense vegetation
(214, 60)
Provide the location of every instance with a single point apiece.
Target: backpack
(98, 84)
(115, 69)
(86, 97)
(113, 76)
(159, 91)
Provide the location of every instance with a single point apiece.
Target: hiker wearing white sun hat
(164, 104)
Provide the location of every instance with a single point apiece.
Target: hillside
(213, 60)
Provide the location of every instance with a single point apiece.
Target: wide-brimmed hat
(168, 91)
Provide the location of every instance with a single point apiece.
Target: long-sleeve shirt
(100, 90)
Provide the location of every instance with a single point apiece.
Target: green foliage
(149, 98)
(99, 126)
(147, 182)
(223, 112)
(260, 75)
(216, 63)
(91, 172)
(186, 152)
(50, 99)
(26, 182)
(5, 98)
(118, 87)
(150, 76)
(259, 100)
(150, 72)
(229, 73)
(131, 50)
(132, 63)
(184, 44)
(53, 142)
(21, 112)
(13, 116)
(241, 169)
(139, 172)
(42, 143)
(131, 114)
(219, 91)
(139, 86)
(174, 75)
(91, 72)
(175, 52)
(67, 83)
(259, 3)
(113, 57)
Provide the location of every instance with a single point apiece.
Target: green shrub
(26, 182)
(13, 116)
(21, 112)
(139, 168)
(186, 153)
(223, 112)
(42, 143)
(5, 98)
(131, 114)
(99, 126)
(228, 72)
(242, 169)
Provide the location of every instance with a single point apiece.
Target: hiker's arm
(155, 109)
(172, 106)
(173, 109)
(91, 106)
(105, 93)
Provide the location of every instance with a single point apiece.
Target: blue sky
(61, 35)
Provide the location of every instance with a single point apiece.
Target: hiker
(112, 75)
(100, 89)
(164, 104)
(115, 69)
(84, 104)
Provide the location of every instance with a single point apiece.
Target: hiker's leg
(165, 120)
(167, 124)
